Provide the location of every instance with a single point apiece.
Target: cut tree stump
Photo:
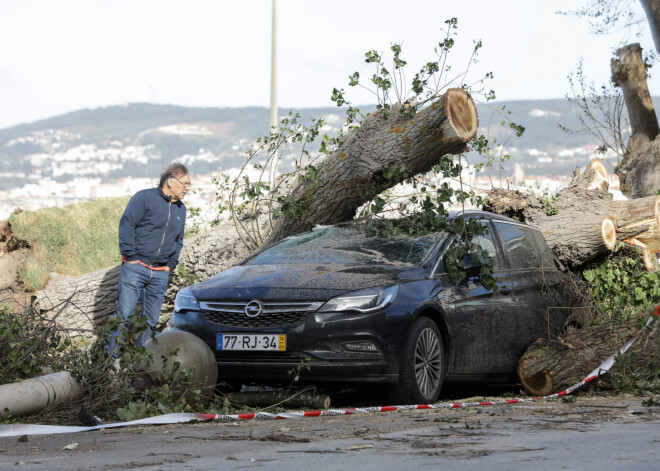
(636, 224)
(552, 365)
(639, 170)
(629, 73)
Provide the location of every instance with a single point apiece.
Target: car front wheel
(422, 366)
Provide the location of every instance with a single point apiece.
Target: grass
(72, 240)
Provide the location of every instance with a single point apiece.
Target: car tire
(422, 368)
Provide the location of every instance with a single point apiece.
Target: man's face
(179, 186)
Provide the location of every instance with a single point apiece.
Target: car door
(555, 293)
(478, 318)
(534, 281)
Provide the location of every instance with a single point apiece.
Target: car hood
(317, 282)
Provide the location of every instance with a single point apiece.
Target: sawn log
(552, 365)
(354, 173)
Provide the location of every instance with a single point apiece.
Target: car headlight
(186, 300)
(366, 300)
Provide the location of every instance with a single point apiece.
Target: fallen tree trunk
(552, 365)
(275, 398)
(354, 173)
(574, 227)
(92, 297)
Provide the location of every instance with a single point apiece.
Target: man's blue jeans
(138, 283)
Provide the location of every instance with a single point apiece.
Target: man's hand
(168, 269)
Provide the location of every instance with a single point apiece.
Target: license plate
(254, 342)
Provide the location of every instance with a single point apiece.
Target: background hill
(80, 149)
(220, 130)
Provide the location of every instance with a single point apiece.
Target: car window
(547, 258)
(519, 245)
(346, 245)
(487, 242)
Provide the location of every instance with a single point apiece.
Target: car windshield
(346, 245)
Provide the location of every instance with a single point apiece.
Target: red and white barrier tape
(29, 429)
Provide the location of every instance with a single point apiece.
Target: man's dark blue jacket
(151, 228)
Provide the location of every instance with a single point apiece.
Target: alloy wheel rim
(428, 362)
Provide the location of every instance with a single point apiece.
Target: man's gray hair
(174, 170)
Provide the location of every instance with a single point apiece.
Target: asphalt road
(600, 433)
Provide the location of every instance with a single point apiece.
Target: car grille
(233, 314)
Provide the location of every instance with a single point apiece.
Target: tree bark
(355, 172)
(652, 10)
(629, 73)
(639, 173)
(272, 398)
(552, 365)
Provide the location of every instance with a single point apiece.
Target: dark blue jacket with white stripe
(151, 228)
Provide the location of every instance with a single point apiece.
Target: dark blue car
(355, 308)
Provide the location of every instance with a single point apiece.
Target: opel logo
(253, 308)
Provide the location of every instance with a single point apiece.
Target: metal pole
(273, 77)
(273, 100)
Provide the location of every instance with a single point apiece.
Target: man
(150, 240)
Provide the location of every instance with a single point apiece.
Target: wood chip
(359, 447)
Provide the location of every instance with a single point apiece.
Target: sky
(58, 56)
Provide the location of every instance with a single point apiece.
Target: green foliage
(194, 215)
(651, 402)
(297, 370)
(620, 286)
(631, 376)
(388, 84)
(75, 239)
(256, 190)
(289, 206)
(181, 277)
(167, 398)
(29, 343)
(548, 202)
(111, 384)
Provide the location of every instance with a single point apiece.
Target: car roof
(477, 213)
